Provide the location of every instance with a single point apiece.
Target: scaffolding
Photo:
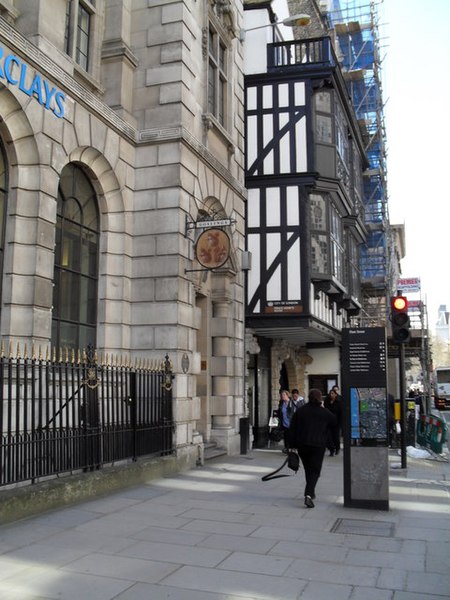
(354, 25)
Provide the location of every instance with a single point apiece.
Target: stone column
(222, 363)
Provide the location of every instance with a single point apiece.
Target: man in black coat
(308, 433)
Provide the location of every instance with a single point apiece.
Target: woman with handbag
(308, 433)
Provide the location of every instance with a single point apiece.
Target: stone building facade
(121, 135)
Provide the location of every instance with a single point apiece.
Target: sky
(415, 42)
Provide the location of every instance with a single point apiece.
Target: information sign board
(365, 426)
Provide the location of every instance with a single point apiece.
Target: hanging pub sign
(212, 249)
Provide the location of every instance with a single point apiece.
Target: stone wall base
(26, 501)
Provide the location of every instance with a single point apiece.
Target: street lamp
(299, 20)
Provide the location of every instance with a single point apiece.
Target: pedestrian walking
(297, 400)
(334, 405)
(286, 409)
(308, 433)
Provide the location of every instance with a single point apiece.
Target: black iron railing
(295, 53)
(70, 414)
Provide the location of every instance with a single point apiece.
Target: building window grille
(76, 262)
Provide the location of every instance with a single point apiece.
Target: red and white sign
(409, 284)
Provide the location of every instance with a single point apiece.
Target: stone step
(211, 450)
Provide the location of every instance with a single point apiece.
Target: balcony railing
(296, 53)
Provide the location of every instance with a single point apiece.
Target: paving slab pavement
(219, 533)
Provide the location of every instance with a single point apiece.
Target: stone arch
(18, 136)
(115, 248)
(103, 179)
(295, 360)
(29, 214)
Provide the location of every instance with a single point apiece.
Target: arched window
(3, 199)
(76, 262)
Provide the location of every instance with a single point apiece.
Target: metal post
(402, 404)
(133, 412)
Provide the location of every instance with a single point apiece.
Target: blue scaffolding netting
(355, 25)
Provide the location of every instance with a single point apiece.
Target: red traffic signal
(399, 303)
(400, 319)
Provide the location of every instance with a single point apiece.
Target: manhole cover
(360, 527)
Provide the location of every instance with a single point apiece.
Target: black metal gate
(72, 414)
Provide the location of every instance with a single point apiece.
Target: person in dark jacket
(308, 433)
(334, 405)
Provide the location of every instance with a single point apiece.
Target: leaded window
(319, 237)
(337, 245)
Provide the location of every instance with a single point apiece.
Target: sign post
(365, 425)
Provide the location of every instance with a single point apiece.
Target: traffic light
(400, 319)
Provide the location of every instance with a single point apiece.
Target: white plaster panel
(285, 145)
(253, 279)
(253, 208)
(292, 206)
(267, 96)
(273, 207)
(301, 146)
(251, 98)
(283, 95)
(267, 137)
(299, 93)
(272, 248)
(274, 285)
(294, 270)
(251, 139)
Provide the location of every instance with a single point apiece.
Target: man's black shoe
(308, 502)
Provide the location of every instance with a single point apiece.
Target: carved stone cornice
(162, 134)
(225, 13)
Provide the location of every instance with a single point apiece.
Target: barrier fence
(70, 414)
(432, 432)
